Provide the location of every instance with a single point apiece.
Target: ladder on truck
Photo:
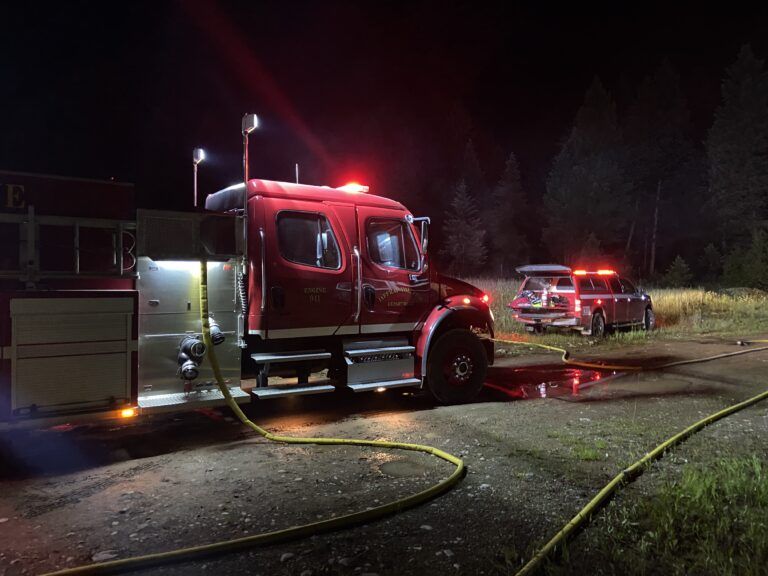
(119, 260)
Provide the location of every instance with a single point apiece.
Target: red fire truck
(555, 296)
(311, 289)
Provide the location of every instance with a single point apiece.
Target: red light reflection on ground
(541, 381)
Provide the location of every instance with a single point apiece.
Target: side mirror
(324, 241)
(424, 236)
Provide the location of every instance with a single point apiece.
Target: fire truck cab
(589, 301)
(311, 289)
(338, 290)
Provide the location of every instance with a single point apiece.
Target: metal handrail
(263, 271)
(359, 278)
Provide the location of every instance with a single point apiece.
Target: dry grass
(679, 311)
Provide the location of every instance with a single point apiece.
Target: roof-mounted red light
(606, 272)
(353, 188)
(580, 272)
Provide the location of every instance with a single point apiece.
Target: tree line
(635, 190)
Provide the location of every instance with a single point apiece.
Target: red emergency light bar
(599, 272)
(353, 188)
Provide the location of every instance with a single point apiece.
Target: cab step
(368, 386)
(380, 351)
(192, 400)
(385, 363)
(283, 391)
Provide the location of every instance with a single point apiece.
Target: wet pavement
(538, 443)
(548, 381)
(66, 448)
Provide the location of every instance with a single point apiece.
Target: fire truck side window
(307, 238)
(564, 283)
(615, 285)
(391, 243)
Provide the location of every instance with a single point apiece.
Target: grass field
(679, 311)
(711, 521)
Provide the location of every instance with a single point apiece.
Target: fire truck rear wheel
(456, 368)
(598, 325)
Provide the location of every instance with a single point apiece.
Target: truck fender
(454, 312)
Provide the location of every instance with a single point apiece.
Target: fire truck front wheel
(456, 367)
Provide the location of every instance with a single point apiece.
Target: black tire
(456, 367)
(649, 319)
(598, 325)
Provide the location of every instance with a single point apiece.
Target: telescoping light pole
(249, 124)
(198, 155)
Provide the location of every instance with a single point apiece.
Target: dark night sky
(126, 90)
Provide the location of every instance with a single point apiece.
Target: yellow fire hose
(306, 530)
(629, 474)
(288, 534)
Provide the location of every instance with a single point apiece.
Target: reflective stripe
(348, 329)
(593, 296)
(338, 330)
(256, 332)
(302, 332)
(401, 327)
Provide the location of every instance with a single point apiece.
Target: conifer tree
(463, 234)
(737, 150)
(587, 191)
(505, 214)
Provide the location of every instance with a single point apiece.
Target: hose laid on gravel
(631, 473)
(287, 534)
(566, 357)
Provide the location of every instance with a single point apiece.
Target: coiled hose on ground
(297, 532)
(287, 534)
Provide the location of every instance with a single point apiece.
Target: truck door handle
(369, 295)
(278, 297)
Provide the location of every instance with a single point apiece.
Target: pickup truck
(589, 301)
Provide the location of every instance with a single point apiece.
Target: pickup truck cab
(589, 301)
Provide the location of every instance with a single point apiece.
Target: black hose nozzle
(217, 336)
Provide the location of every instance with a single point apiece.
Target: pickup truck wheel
(456, 367)
(598, 325)
(649, 320)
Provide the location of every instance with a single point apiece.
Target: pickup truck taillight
(577, 306)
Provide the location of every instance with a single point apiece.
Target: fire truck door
(395, 283)
(308, 270)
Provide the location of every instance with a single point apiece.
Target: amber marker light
(127, 412)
